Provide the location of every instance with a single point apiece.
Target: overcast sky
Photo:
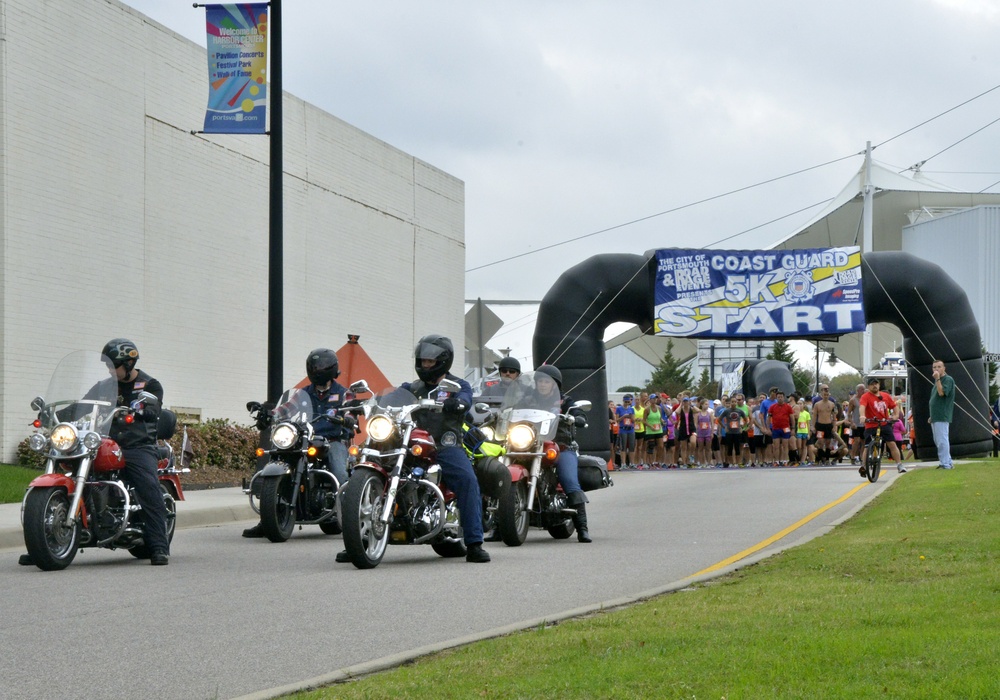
(564, 118)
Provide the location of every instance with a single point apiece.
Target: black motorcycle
(295, 486)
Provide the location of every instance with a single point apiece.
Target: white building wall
(117, 221)
(966, 244)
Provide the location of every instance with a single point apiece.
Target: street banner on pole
(758, 293)
(237, 68)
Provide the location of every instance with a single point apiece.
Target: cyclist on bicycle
(876, 408)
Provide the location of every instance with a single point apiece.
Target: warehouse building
(118, 221)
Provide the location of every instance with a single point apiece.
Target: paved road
(232, 617)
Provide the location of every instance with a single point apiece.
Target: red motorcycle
(82, 499)
(395, 494)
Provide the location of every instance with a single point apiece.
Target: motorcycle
(395, 495)
(295, 485)
(527, 424)
(82, 499)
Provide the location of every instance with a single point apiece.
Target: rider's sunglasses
(508, 370)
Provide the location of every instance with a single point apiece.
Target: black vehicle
(295, 485)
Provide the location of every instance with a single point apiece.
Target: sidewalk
(200, 508)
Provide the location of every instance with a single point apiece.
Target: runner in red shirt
(781, 427)
(876, 407)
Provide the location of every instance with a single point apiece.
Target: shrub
(216, 443)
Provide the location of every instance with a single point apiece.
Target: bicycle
(873, 453)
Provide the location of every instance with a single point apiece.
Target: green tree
(629, 389)
(802, 378)
(842, 385)
(705, 386)
(669, 376)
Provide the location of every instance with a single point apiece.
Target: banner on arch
(758, 293)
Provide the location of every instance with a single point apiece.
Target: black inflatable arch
(606, 289)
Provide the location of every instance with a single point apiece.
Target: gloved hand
(581, 421)
(453, 405)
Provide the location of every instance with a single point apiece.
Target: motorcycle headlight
(64, 437)
(91, 440)
(284, 436)
(380, 428)
(488, 432)
(521, 437)
(38, 442)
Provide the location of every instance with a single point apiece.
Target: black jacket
(142, 431)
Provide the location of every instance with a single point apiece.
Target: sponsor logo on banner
(758, 293)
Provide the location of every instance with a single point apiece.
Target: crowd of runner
(657, 431)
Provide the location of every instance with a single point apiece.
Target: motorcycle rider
(509, 369)
(327, 397)
(137, 441)
(432, 359)
(548, 385)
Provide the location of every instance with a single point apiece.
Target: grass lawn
(902, 601)
(13, 482)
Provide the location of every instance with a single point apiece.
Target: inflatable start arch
(916, 296)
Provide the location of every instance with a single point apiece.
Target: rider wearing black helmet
(137, 441)
(327, 396)
(548, 383)
(509, 369)
(432, 359)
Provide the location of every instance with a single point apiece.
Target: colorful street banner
(758, 293)
(237, 68)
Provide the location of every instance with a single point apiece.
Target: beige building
(116, 220)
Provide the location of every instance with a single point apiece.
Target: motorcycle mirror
(449, 385)
(583, 405)
(38, 403)
(360, 387)
(253, 406)
(482, 407)
(148, 399)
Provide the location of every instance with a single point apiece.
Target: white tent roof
(898, 200)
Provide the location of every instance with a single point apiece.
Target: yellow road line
(774, 538)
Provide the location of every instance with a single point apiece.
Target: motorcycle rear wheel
(143, 551)
(331, 527)
(51, 544)
(277, 507)
(561, 530)
(512, 514)
(449, 548)
(365, 537)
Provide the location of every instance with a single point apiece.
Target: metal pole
(275, 281)
(479, 337)
(868, 242)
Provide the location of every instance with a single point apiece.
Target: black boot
(580, 522)
(26, 560)
(476, 554)
(255, 531)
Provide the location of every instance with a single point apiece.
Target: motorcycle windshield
(83, 390)
(294, 406)
(531, 398)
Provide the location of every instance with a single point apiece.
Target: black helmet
(553, 372)
(509, 363)
(437, 348)
(322, 366)
(122, 352)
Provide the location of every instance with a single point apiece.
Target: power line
(748, 187)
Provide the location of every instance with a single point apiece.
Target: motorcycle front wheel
(51, 544)
(365, 537)
(512, 514)
(143, 551)
(277, 507)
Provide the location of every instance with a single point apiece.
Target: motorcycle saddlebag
(493, 476)
(593, 473)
